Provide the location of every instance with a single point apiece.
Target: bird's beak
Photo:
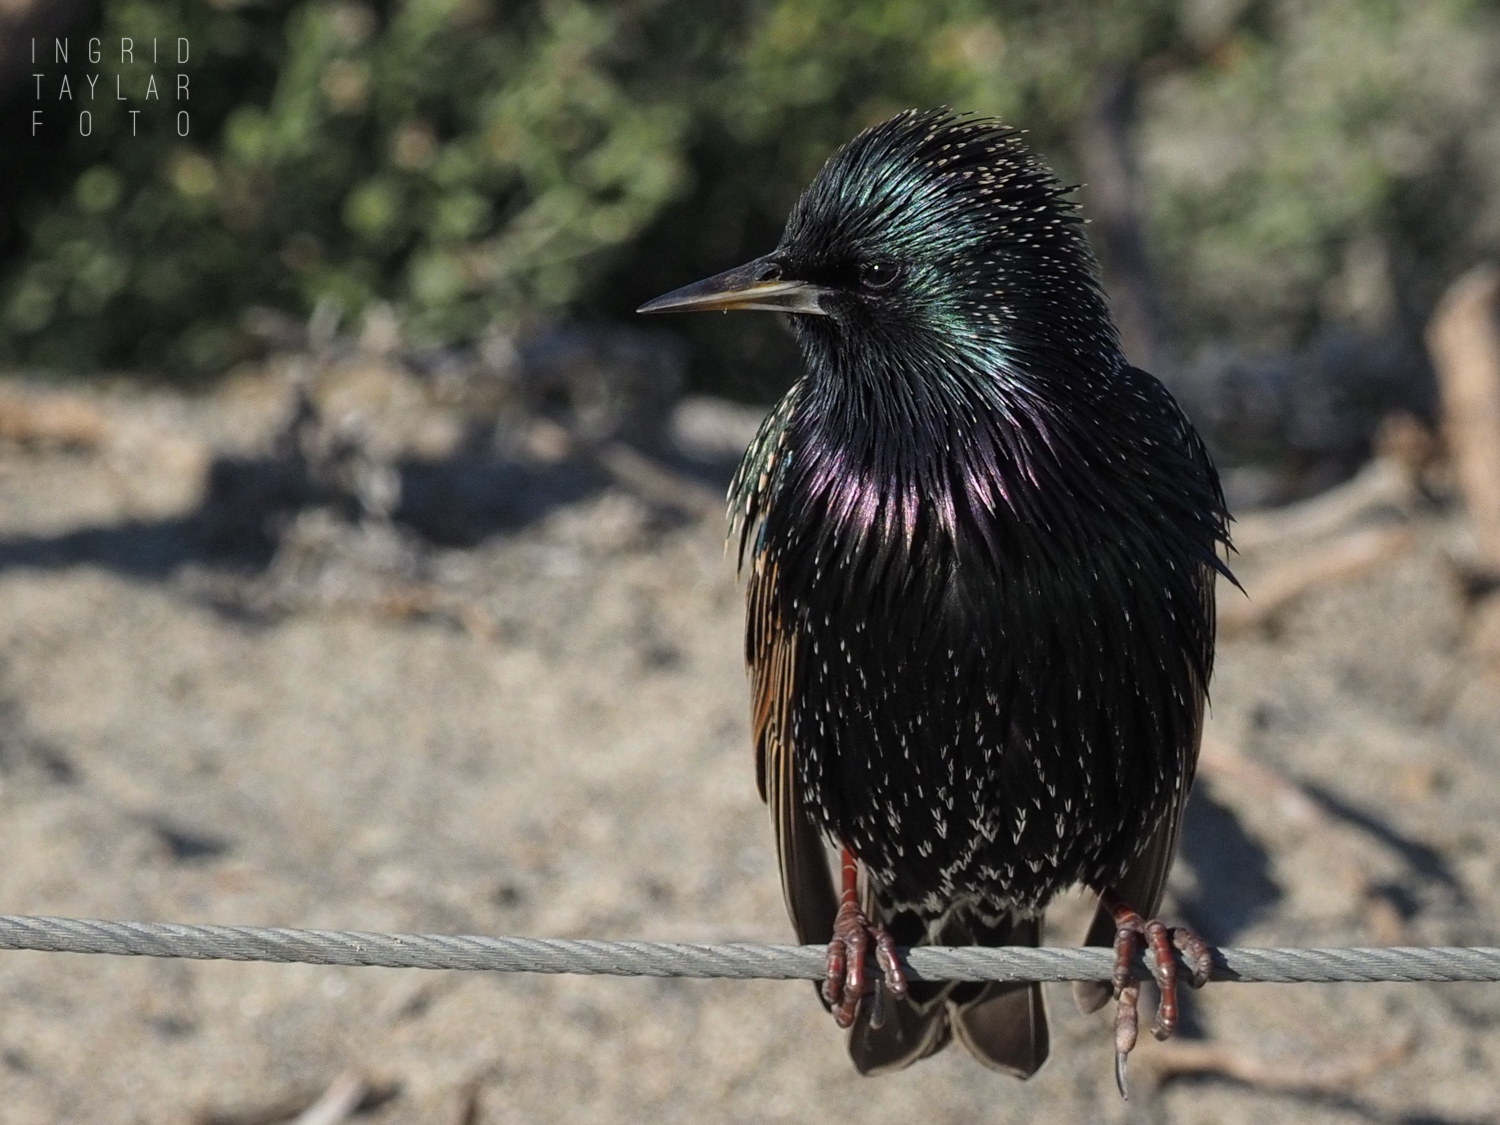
(755, 285)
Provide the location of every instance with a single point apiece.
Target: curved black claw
(1134, 933)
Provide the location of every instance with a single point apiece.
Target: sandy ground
(547, 734)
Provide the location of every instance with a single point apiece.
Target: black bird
(982, 550)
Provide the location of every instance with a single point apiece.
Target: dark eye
(877, 274)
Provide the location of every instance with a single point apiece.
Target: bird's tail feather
(1091, 995)
(1003, 1025)
(911, 1029)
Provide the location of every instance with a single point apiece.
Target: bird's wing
(771, 652)
(1146, 880)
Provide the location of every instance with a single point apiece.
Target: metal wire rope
(742, 961)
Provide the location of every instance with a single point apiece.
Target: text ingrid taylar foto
(138, 85)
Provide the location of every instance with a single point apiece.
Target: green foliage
(478, 164)
(1339, 165)
(466, 168)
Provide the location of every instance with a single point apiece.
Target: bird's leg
(846, 984)
(1132, 932)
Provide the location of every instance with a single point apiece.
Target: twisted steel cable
(741, 961)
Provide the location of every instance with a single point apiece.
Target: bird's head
(930, 235)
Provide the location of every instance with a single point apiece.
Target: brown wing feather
(771, 653)
(1146, 881)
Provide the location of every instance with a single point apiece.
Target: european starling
(982, 551)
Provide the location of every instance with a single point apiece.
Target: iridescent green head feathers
(931, 230)
(951, 223)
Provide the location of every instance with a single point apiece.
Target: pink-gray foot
(1132, 934)
(846, 984)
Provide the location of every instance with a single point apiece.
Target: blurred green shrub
(482, 165)
(1330, 162)
(463, 165)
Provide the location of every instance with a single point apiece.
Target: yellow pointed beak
(755, 285)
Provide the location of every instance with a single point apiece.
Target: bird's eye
(877, 274)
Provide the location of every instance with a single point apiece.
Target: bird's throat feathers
(899, 469)
(882, 441)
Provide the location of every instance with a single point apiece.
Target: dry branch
(1247, 778)
(273, 1111)
(51, 421)
(655, 482)
(346, 1095)
(645, 476)
(1323, 1076)
(1464, 339)
(466, 1112)
(337, 1103)
(1386, 482)
(1484, 639)
(1280, 586)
